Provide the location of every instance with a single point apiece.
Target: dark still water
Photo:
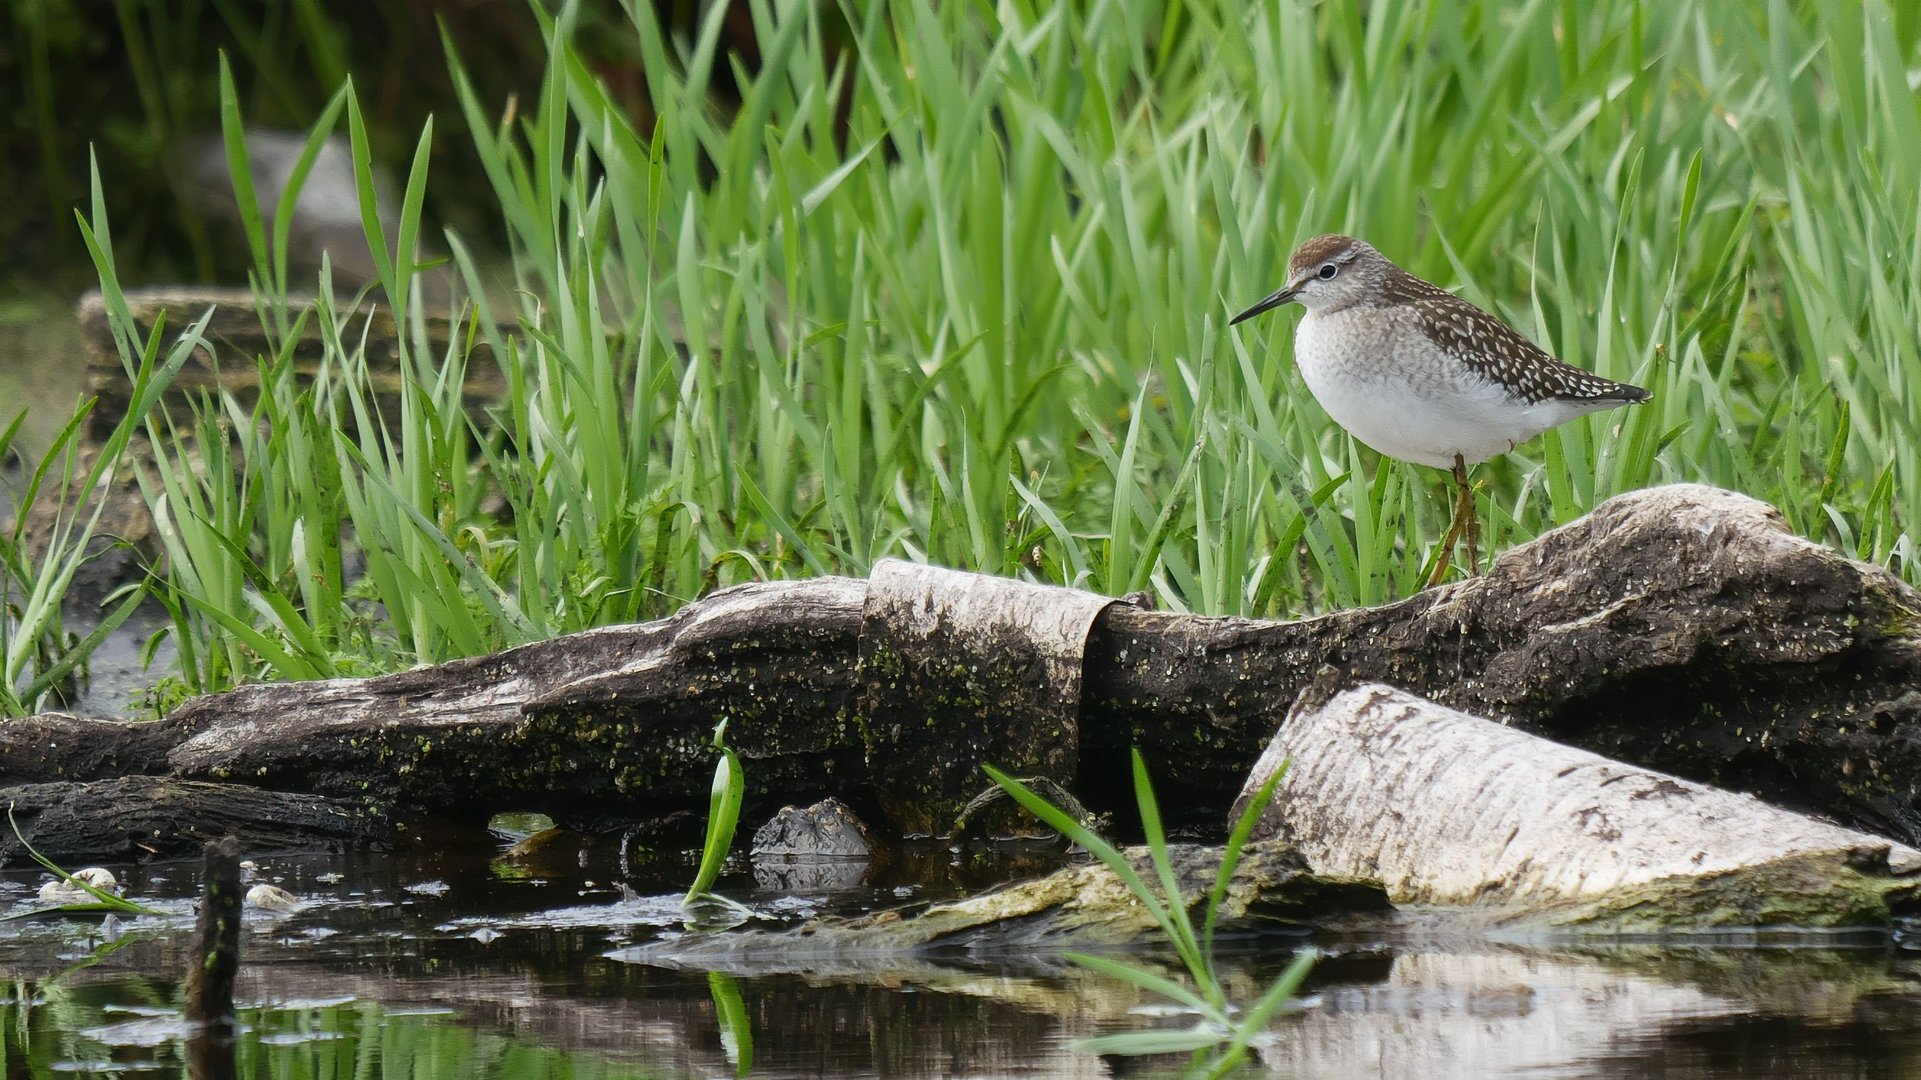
(457, 963)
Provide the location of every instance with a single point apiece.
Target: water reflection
(112, 1028)
(441, 964)
(1492, 1009)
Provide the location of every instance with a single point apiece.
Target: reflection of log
(1446, 808)
(1679, 628)
(1080, 907)
(1415, 1005)
(1462, 1008)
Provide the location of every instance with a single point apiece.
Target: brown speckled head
(1327, 248)
(1328, 271)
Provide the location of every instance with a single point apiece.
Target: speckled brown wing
(1495, 350)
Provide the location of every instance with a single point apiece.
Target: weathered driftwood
(150, 816)
(1679, 628)
(229, 362)
(565, 725)
(1446, 808)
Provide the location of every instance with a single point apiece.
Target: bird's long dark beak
(1269, 303)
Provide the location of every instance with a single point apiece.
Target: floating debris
(66, 892)
(272, 898)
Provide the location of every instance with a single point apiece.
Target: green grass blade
(1150, 982)
(723, 814)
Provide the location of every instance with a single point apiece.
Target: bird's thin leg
(1465, 523)
(1466, 508)
(1447, 547)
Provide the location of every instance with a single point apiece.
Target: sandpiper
(1422, 375)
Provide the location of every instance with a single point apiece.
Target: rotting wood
(1447, 808)
(140, 817)
(1680, 628)
(213, 963)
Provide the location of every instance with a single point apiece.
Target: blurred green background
(133, 80)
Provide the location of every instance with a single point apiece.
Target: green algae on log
(951, 660)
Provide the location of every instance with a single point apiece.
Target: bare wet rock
(814, 850)
(828, 829)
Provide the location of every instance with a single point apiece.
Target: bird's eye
(1328, 270)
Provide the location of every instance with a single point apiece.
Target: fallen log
(944, 677)
(234, 331)
(140, 817)
(1680, 628)
(620, 717)
(1446, 808)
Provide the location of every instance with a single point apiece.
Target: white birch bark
(1446, 808)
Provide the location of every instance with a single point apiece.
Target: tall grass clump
(39, 657)
(948, 281)
(1222, 1030)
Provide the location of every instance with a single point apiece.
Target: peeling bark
(949, 660)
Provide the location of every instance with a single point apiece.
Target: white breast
(1381, 379)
